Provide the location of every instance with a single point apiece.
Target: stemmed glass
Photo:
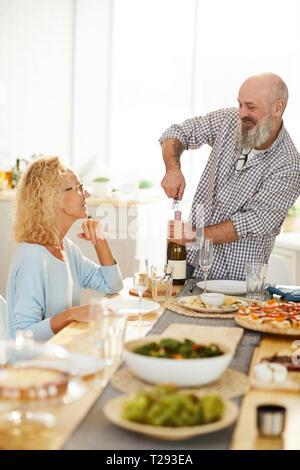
(141, 284)
(206, 256)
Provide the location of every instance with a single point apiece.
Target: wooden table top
(75, 339)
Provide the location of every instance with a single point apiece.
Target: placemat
(231, 384)
(177, 308)
(207, 334)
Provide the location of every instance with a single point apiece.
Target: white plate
(224, 287)
(76, 364)
(184, 301)
(113, 412)
(132, 307)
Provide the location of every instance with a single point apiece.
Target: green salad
(173, 349)
(165, 406)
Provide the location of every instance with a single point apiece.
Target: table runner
(96, 432)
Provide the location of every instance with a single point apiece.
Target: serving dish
(194, 302)
(113, 412)
(274, 317)
(182, 372)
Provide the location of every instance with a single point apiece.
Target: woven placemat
(177, 308)
(231, 384)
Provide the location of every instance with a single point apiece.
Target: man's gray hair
(279, 90)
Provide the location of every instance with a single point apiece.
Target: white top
(250, 154)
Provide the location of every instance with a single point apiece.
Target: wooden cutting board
(147, 294)
(228, 335)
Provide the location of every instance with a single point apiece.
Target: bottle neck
(177, 215)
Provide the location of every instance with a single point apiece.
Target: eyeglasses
(77, 187)
(241, 162)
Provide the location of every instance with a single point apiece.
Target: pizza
(273, 313)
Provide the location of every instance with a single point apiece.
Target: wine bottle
(176, 257)
(15, 174)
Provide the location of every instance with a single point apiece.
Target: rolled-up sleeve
(106, 279)
(197, 131)
(265, 212)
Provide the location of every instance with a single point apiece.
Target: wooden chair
(3, 329)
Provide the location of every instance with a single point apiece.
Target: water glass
(256, 274)
(113, 327)
(162, 283)
(107, 330)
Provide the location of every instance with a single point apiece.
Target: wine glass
(141, 284)
(206, 256)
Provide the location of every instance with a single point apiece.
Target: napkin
(288, 294)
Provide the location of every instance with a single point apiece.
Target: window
(173, 59)
(36, 64)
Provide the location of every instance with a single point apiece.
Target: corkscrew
(175, 202)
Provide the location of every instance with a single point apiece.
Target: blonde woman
(48, 270)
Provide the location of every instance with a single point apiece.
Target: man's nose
(242, 112)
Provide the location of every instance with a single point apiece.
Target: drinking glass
(256, 274)
(206, 252)
(107, 330)
(141, 284)
(162, 283)
(97, 307)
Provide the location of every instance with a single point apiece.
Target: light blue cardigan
(40, 286)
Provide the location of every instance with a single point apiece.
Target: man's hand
(181, 232)
(174, 183)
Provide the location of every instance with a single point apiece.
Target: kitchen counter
(289, 240)
(133, 226)
(113, 200)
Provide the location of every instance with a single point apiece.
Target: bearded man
(251, 179)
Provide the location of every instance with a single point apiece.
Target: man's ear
(278, 107)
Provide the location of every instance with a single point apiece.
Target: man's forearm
(171, 151)
(224, 232)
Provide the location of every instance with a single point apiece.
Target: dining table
(82, 425)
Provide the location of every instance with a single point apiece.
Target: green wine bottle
(176, 257)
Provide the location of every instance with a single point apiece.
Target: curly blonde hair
(36, 204)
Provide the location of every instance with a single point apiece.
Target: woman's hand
(60, 321)
(80, 313)
(93, 231)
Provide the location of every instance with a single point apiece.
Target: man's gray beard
(257, 136)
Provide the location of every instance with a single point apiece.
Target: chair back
(3, 329)
(279, 271)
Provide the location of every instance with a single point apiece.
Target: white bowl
(182, 372)
(212, 299)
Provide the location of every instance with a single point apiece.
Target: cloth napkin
(288, 294)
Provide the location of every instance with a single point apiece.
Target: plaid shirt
(256, 199)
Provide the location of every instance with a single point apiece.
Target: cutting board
(147, 294)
